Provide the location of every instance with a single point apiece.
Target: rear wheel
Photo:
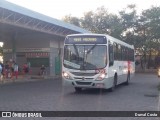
(114, 84)
(77, 89)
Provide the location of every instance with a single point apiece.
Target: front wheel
(114, 84)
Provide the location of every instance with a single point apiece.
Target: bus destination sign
(86, 40)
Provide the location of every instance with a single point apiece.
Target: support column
(53, 55)
(14, 37)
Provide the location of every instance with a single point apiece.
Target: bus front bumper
(105, 83)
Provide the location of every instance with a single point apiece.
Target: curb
(27, 79)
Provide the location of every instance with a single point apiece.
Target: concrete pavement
(26, 78)
(49, 95)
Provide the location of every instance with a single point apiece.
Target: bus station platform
(27, 78)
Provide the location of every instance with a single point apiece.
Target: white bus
(96, 61)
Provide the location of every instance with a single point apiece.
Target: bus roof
(107, 36)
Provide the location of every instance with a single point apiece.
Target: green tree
(142, 31)
(102, 22)
(99, 21)
(88, 22)
(152, 26)
(72, 20)
(128, 18)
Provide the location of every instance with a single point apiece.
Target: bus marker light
(100, 71)
(66, 75)
(115, 70)
(101, 77)
(100, 85)
(159, 72)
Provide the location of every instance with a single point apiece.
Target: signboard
(7, 50)
(33, 50)
(37, 54)
(86, 40)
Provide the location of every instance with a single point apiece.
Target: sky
(60, 8)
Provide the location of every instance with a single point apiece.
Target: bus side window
(111, 56)
(115, 51)
(119, 52)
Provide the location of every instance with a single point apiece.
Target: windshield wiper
(91, 49)
(85, 55)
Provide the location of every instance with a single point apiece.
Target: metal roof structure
(18, 16)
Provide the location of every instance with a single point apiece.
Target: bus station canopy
(13, 16)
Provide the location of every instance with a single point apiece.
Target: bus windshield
(85, 57)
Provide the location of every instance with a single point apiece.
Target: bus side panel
(121, 69)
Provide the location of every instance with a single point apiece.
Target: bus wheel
(128, 79)
(114, 84)
(77, 89)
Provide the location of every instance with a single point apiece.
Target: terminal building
(32, 37)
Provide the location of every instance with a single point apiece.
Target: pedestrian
(1, 67)
(42, 70)
(25, 68)
(29, 66)
(12, 68)
(16, 70)
(6, 69)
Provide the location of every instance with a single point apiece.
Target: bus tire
(114, 84)
(128, 79)
(78, 89)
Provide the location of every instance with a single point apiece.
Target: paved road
(49, 95)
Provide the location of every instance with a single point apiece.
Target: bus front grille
(83, 74)
(83, 83)
(82, 78)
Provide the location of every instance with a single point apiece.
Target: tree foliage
(72, 20)
(141, 30)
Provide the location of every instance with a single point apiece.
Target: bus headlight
(158, 72)
(66, 75)
(101, 76)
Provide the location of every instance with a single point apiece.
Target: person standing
(6, 69)
(1, 68)
(42, 70)
(29, 66)
(16, 70)
(12, 68)
(25, 68)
